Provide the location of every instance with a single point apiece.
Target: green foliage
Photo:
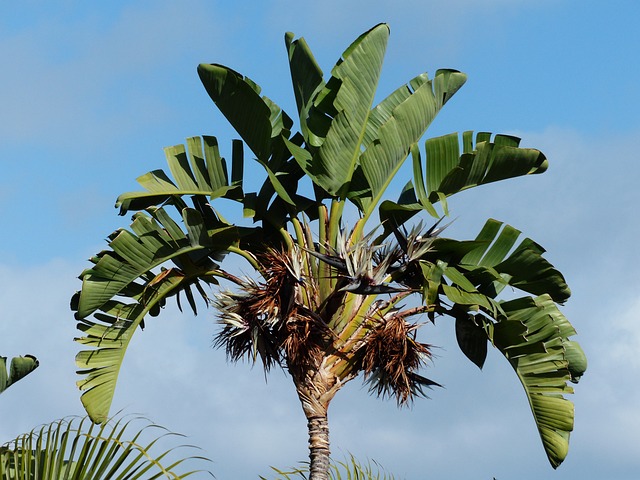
(348, 469)
(19, 368)
(77, 449)
(345, 288)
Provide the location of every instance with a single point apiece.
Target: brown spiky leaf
(304, 343)
(270, 319)
(250, 328)
(392, 356)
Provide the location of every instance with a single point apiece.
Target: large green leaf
(126, 274)
(478, 270)
(200, 170)
(307, 80)
(398, 122)
(385, 109)
(351, 90)
(531, 332)
(450, 169)
(109, 334)
(76, 449)
(522, 267)
(534, 338)
(490, 263)
(257, 119)
(154, 240)
(19, 368)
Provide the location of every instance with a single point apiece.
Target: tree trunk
(318, 447)
(316, 386)
(316, 390)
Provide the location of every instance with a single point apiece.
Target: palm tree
(331, 302)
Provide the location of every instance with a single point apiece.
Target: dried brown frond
(391, 358)
(270, 319)
(304, 342)
(249, 327)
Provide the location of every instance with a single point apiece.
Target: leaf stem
(248, 256)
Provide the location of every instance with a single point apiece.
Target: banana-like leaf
(478, 271)
(531, 332)
(385, 109)
(490, 263)
(154, 240)
(521, 267)
(109, 334)
(307, 79)
(533, 335)
(449, 171)
(126, 272)
(349, 95)
(257, 119)
(277, 185)
(534, 338)
(398, 122)
(197, 170)
(76, 449)
(19, 368)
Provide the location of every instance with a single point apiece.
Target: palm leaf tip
(18, 369)
(534, 338)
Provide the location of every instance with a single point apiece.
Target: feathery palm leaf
(77, 449)
(348, 469)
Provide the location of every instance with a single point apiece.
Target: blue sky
(90, 94)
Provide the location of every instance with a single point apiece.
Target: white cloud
(624, 332)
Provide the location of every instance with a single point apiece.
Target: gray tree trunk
(318, 447)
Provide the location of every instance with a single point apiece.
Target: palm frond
(451, 169)
(348, 469)
(530, 332)
(74, 448)
(157, 259)
(197, 170)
